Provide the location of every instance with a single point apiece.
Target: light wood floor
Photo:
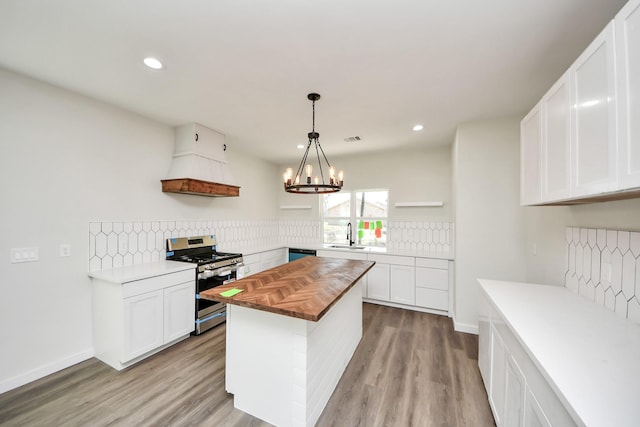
(410, 369)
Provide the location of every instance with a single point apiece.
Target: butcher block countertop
(305, 288)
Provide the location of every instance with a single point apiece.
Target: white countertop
(132, 273)
(589, 355)
(367, 250)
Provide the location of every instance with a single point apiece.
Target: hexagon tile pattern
(115, 244)
(604, 266)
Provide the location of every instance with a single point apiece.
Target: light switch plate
(65, 250)
(25, 254)
(606, 273)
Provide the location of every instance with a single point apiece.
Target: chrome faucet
(350, 234)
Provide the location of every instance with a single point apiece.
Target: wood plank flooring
(410, 369)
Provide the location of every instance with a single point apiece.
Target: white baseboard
(464, 327)
(43, 371)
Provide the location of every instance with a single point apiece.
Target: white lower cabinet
(260, 261)
(135, 319)
(518, 393)
(432, 283)
(178, 311)
(274, 258)
(143, 324)
(402, 286)
(358, 256)
(378, 282)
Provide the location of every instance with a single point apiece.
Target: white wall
(410, 175)
(67, 160)
(545, 228)
(488, 219)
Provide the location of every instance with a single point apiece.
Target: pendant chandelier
(313, 184)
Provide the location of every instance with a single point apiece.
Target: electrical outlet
(123, 245)
(534, 249)
(25, 254)
(65, 250)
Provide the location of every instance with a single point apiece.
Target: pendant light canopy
(313, 184)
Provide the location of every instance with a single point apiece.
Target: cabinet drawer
(432, 298)
(392, 259)
(432, 263)
(432, 278)
(151, 284)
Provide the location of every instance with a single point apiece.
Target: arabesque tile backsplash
(120, 243)
(604, 266)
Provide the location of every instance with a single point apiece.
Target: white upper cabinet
(530, 145)
(556, 138)
(594, 143)
(627, 35)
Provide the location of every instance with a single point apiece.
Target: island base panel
(282, 369)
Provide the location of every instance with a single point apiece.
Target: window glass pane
(337, 205)
(372, 204)
(335, 231)
(372, 232)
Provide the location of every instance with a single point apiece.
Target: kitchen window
(366, 210)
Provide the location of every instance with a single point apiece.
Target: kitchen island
(291, 332)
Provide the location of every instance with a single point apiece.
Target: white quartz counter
(131, 273)
(366, 250)
(589, 355)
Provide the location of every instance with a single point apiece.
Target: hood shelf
(197, 187)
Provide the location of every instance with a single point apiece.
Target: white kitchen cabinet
(143, 324)
(556, 139)
(533, 414)
(135, 318)
(358, 256)
(250, 265)
(498, 377)
(402, 285)
(530, 146)
(378, 282)
(397, 287)
(519, 394)
(273, 258)
(593, 95)
(179, 309)
(514, 394)
(432, 283)
(627, 35)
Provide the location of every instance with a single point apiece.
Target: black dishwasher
(295, 253)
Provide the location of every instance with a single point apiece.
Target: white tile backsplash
(604, 266)
(121, 243)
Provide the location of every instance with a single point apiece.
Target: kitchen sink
(346, 247)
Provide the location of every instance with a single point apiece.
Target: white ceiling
(245, 67)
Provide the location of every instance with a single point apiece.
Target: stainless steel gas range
(213, 269)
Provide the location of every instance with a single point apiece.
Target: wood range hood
(199, 165)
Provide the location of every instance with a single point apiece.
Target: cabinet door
(533, 414)
(403, 284)
(143, 324)
(498, 377)
(378, 282)
(530, 146)
(179, 309)
(556, 111)
(594, 149)
(514, 394)
(627, 24)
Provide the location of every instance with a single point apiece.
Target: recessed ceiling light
(152, 63)
(300, 146)
(418, 127)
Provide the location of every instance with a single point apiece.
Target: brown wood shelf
(199, 188)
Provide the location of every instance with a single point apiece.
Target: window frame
(353, 217)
